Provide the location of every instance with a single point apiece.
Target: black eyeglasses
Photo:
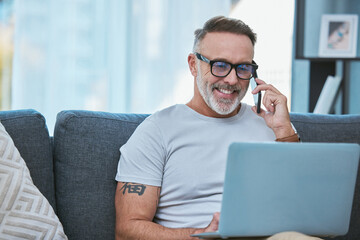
(244, 71)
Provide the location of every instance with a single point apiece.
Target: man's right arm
(136, 206)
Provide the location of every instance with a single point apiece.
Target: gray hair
(223, 24)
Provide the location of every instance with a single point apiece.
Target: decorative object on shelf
(328, 95)
(338, 35)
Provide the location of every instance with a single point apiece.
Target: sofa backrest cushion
(333, 128)
(24, 212)
(28, 130)
(327, 128)
(86, 153)
(86, 147)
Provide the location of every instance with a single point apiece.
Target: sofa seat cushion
(24, 211)
(87, 150)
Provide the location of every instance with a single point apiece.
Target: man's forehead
(225, 36)
(227, 45)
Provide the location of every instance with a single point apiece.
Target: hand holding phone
(257, 96)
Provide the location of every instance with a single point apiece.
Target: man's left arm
(276, 113)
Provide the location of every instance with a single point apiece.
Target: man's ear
(192, 64)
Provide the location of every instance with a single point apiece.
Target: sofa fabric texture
(79, 174)
(86, 153)
(29, 132)
(327, 128)
(24, 212)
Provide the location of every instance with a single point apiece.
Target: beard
(222, 106)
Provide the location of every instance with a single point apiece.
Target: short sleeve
(143, 156)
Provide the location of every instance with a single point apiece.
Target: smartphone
(257, 97)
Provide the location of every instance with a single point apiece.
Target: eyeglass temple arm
(255, 73)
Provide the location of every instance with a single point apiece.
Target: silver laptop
(276, 187)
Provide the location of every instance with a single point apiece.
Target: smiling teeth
(225, 91)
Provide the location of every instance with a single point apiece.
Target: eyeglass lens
(222, 69)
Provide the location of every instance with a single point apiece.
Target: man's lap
(281, 236)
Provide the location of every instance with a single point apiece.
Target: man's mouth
(226, 90)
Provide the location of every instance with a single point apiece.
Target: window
(122, 56)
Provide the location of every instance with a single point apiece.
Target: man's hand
(276, 114)
(214, 224)
(212, 227)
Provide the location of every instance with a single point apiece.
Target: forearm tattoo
(133, 188)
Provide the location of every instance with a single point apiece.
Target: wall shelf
(306, 40)
(318, 59)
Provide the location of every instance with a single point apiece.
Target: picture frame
(338, 35)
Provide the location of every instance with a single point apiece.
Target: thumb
(214, 224)
(261, 114)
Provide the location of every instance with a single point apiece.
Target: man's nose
(231, 78)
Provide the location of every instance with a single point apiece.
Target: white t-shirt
(185, 153)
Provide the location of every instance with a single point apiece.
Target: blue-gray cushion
(327, 128)
(24, 211)
(333, 128)
(28, 130)
(86, 150)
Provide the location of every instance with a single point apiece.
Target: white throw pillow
(24, 212)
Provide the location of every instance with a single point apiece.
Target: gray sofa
(75, 168)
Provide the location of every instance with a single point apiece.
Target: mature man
(171, 171)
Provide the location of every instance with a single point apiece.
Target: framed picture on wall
(338, 35)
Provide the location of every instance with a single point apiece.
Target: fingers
(272, 96)
(275, 112)
(259, 81)
(262, 86)
(262, 112)
(214, 224)
(215, 221)
(271, 100)
(216, 216)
